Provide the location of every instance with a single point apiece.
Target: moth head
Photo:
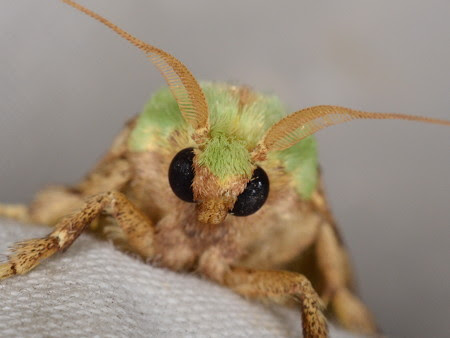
(218, 172)
(219, 175)
(221, 179)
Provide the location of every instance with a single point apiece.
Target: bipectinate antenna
(188, 94)
(303, 123)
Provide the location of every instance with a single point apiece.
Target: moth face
(216, 198)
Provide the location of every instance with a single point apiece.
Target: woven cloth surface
(95, 290)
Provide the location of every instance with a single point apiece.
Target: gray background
(67, 85)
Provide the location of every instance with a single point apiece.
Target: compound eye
(181, 174)
(254, 195)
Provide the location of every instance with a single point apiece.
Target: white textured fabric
(95, 290)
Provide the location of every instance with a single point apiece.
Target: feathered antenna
(188, 94)
(303, 123)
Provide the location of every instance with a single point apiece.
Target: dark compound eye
(254, 195)
(181, 174)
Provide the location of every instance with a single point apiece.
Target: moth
(217, 179)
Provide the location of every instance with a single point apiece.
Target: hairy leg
(276, 286)
(349, 310)
(280, 287)
(135, 225)
(48, 207)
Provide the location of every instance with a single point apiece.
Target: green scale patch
(234, 130)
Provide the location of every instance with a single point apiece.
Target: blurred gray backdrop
(67, 85)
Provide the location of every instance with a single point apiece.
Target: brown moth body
(198, 237)
(288, 251)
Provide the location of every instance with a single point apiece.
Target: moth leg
(18, 212)
(134, 224)
(48, 206)
(333, 264)
(53, 203)
(279, 287)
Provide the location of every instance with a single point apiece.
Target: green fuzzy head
(226, 157)
(234, 131)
